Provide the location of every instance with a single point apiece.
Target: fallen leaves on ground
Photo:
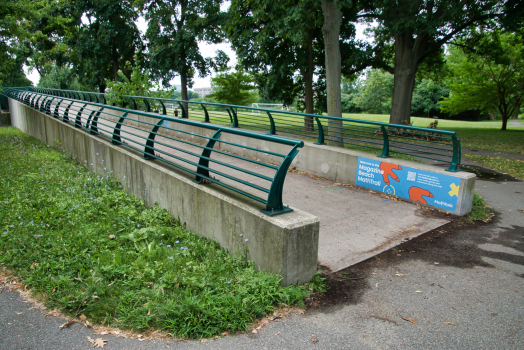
(314, 340)
(410, 319)
(98, 342)
(450, 323)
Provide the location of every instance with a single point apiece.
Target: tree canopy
(488, 76)
(234, 88)
(174, 29)
(409, 32)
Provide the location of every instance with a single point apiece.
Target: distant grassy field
(485, 135)
(476, 135)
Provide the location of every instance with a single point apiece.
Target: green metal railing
(385, 139)
(149, 134)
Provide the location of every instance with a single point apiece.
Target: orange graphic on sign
(387, 170)
(416, 193)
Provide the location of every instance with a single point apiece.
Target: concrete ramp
(355, 224)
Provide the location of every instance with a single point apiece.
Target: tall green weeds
(80, 242)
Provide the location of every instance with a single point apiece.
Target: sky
(207, 50)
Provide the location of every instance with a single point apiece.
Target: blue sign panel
(426, 187)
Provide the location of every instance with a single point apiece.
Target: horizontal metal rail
(196, 154)
(384, 138)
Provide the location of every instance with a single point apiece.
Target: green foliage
(376, 93)
(488, 76)
(234, 88)
(426, 96)
(12, 56)
(61, 78)
(174, 29)
(350, 91)
(409, 32)
(138, 84)
(97, 47)
(480, 210)
(79, 242)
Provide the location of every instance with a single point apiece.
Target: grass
(485, 135)
(80, 243)
(480, 210)
(513, 167)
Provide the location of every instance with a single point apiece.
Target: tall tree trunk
(183, 82)
(408, 54)
(504, 122)
(331, 32)
(308, 84)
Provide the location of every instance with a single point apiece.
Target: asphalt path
(464, 288)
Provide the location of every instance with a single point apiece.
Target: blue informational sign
(166, 123)
(426, 187)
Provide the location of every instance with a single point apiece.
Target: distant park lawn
(484, 135)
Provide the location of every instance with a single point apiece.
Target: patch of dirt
(452, 244)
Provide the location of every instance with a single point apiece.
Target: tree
(331, 31)
(235, 88)
(174, 29)
(375, 95)
(488, 76)
(277, 40)
(351, 89)
(418, 29)
(106, 42)
(63, 78)
(93, 37)
(426, 97)
(138, 84)
(11, 33)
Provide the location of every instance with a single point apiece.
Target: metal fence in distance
(383, 139)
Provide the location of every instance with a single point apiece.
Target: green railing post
(203, 163)
(56, 112)
(272, 128)
(385, 142)
(94, 122)
(134, 104)
(183, 110)
(321, 140)
(88, 123)
(42, 105)
(206, 115)
(235, 119)
(116, 133)
(455, 160)
(274, 204)
(66, 113)
(148, 107)
(164, 112)
(48, 105)
(78, 119)
(149, 150)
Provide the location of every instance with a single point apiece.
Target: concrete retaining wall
(333, 163)
(286, 244)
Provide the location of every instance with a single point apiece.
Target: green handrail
(273, 201)
(391, 139)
